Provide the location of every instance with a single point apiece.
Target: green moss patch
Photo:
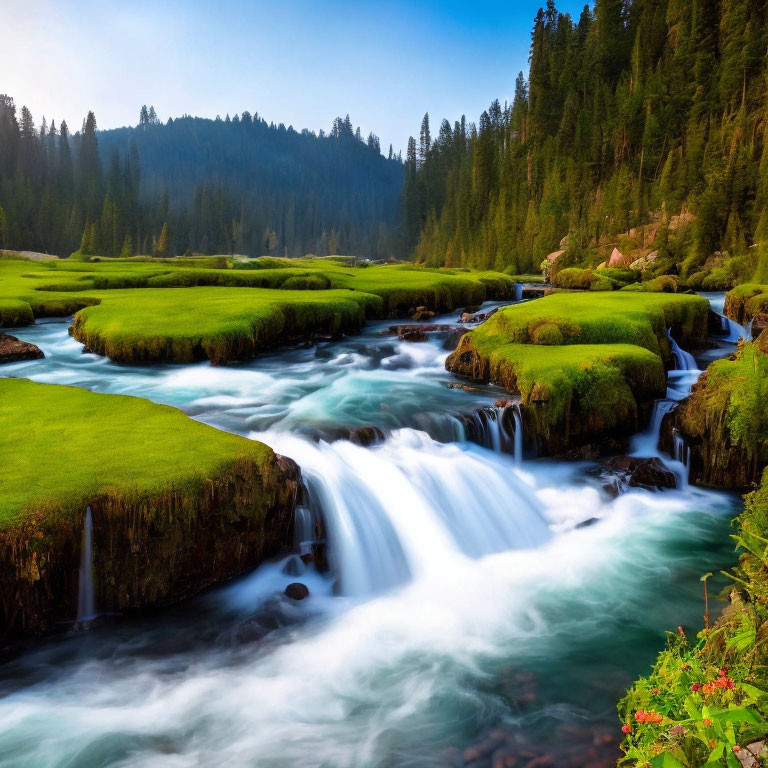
(62, 446)
(134, 310)
(582, 362)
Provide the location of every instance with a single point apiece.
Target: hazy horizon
(297, 64)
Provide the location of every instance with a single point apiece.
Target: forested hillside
(638, 111)
(191, 185)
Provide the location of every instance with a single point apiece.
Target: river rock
(422, 313)
(365, 436)
(641, 473)
(297, 591)
(13, 350)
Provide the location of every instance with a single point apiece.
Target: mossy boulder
(603, 365)
(725, 421)
(176, 505)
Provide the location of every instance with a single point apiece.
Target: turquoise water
(475, 608)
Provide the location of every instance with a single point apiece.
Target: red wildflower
(696, 687)
(656, 691)
(737, 748)
(706, 721)
(626, 728)
(722, 672)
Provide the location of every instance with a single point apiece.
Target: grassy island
(176, 504)
(187, 309)
(582, 362)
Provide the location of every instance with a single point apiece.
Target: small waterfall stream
(86, 603)
(732, 331)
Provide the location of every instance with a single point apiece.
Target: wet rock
(422, 313)
(12, 350)
(467, 318)
(365, 436)
(297, 591)
(453, 339)
(641, 473)
(465, 387)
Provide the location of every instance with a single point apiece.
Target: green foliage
(666, 129)
(224, 314)
(310, 283)
(210, 186)
(582, 362)
(709, 700)
(57, 453)
(572, 277)
(548, 334)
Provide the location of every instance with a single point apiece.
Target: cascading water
(732, 331)
(412, 507)
(498, 428)
(517, 416)
(86, 603)
(684, 361)
(518, 291)
(682, 455)
(456, 572)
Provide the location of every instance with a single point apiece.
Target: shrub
(306, 283)
(573, 277)
(548, 335)
(602, 284)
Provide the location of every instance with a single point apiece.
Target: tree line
(639, 109)
(191, 185)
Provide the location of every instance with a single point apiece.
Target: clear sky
(292, 61)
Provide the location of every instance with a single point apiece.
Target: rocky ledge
(12, 350)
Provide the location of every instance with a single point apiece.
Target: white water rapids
(470, 590)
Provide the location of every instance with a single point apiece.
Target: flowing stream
(476, 601)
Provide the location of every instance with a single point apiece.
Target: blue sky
(293, 61)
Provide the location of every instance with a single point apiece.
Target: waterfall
(518, 291)
(646, 443)
(412, 507)
(732, 331)
(498, 428)
(517, 415)
(86, 604)
(684, 361)
(682, 455)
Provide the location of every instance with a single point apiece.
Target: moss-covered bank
(584, 364)
(725, 420)
(140, 310)
(176, 505)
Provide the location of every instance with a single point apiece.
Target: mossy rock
(176, 505)
(548, 335)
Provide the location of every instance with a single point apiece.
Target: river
(482, 608)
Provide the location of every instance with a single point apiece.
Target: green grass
(613, 318)
(61, 446)
(155, 325)
(582, 361)
(135, 310)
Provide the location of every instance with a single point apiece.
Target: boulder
(639, 473)
(297, 591)
(12, 350)
(365, 436)
(618, 260)
(652, 256)
(553, 257)
(422, 313)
